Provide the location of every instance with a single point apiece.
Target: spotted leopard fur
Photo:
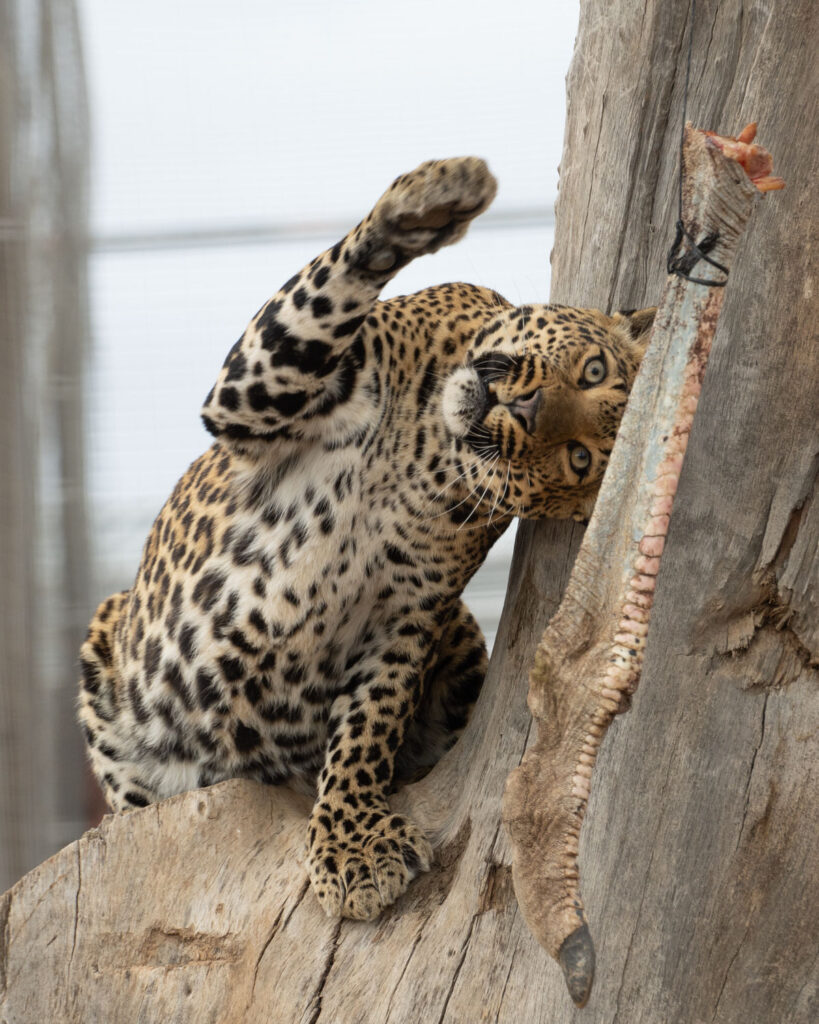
(296, 615)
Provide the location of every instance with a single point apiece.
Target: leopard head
(534, 410)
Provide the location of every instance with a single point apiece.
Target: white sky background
(208, 112)
(212, 115)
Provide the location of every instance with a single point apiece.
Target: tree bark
(589, 659)
(701, 830)
(698, 851)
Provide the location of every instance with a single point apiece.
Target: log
(699, 841)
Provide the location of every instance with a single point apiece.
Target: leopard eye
(594, 371)
(579, 458)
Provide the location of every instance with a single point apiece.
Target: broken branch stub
(588, 661)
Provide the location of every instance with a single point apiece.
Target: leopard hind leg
(100, 710)
(452, 684)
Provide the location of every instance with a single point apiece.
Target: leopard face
(533, 411)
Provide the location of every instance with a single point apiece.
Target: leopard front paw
(357, 873)
(424, 210)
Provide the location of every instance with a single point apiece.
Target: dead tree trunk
(697, 853)
(702, 833)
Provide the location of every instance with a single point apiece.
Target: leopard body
(297, 615)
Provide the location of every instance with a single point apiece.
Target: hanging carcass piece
(588, 662)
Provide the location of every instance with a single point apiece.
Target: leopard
(297, 614)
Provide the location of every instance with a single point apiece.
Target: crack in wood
(758, 747)
(644, 888)
(76, 926)
(506, 981)
(465, 946)
(5, 941)
(459, 965)
(397, 985)
(497, 890)
(318, 995)
(277, 926)
(76, 910)
(800, 509)
(728, 971)
(271, 935)
(773, 614)
(42, 898)
(646, 155)
(168, 948)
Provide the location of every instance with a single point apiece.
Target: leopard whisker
(478, 503)
(435, 499)
(471, 493)
(500, 493)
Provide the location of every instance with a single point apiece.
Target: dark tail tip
(576, 958)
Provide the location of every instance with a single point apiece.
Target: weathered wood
(699, 844)
(589, 659)
(698, 851)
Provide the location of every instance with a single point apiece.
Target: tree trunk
(698, 856)
(697, 852)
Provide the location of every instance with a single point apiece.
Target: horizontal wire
(248, 234)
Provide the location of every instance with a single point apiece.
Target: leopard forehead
(555, 331)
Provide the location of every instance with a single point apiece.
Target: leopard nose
(525, 409)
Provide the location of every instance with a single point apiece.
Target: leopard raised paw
(423, 210)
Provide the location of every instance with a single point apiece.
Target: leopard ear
(639, 321)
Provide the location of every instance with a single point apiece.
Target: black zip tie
(683, 264)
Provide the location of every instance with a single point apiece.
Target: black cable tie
(683, 264)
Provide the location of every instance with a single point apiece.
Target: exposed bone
(589, 659)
